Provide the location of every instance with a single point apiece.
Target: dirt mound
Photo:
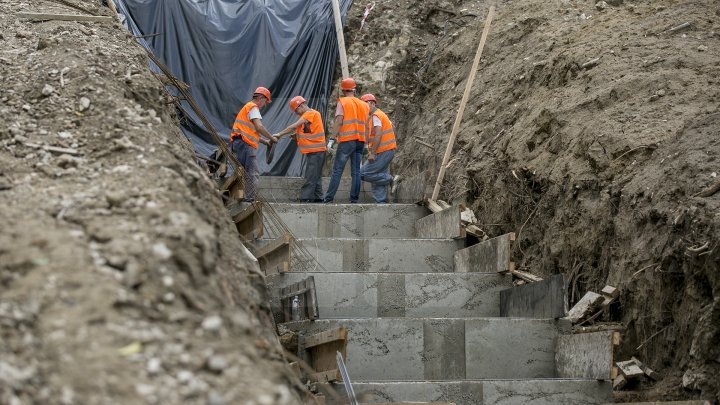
(122, 279)
(589, 132)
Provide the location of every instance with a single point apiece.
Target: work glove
(331, 147)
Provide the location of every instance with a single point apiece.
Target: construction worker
(350, 130)
(245, 137)
(381, 151)
(310, 137)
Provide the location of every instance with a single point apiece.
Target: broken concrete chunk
(586, 306)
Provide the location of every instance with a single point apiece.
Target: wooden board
(322, 348)
(585, 307)
(249, 222)
(65, 17)
(274, 256)
(305, 291)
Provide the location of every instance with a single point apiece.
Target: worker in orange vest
(310, 137)
(381, 151)
(245, 137)
(350, 130)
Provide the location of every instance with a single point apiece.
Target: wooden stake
(466, 95)
(340, 39)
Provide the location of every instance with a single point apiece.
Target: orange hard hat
(347, 84)
(368, 97)
(296, 101)
(263, 91)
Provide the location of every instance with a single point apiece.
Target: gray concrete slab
(350, 220)
(367, 295)
(484, 392)
(413, 348)
(442, 224)
(542, 299)
(383, 255)
(492, 255)
(585, 355)
(510, 348)
(546, 392)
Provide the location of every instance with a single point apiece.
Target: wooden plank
(619, 382)
(598, 328)
(463, 102)
(531, 278)
(629, 369)
(249, 222)
(326, 376)
(274, 257)
(647, 370)
(313, 311)
(433, 206)
(586, 306)
(616, 338)
(340, 39)
(326, 336)
(65, 17)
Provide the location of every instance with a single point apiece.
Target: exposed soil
(122, 279)
(589, 132)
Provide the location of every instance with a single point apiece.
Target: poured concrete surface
(287, 189)
(486, 257)
(367, 295)
(350, 220)
(484, 392)
(383, 255)
(444, 348)
(442, 224)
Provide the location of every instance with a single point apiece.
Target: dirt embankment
(589, 132)
(122, 280)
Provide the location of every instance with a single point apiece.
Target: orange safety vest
(311, 136)
(355, 115)
(387, 133)
(244, 128)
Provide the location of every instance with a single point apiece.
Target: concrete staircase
(418, 331)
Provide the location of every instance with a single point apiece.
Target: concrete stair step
(351, 220)
(287, 189)
(407, 349)
(383, 255)
(483, 392)
(412, 295)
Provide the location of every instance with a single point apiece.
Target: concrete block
(383, 255)
(287, 189)
(585, 355)
(510, 348)
(483, 392)
(411, 190)
(367, 295)
(546, 392)
(492, 255)
(542, 299)
(442, 224)
(388, 349)
(350, 220)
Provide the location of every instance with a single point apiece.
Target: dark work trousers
(377, 173)
(311, 191)
(350, 150)
(246, 155)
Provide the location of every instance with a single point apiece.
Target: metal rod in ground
(346, 380)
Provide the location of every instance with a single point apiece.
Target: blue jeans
(346, 150)
(377, 173)
(311, 191)
(246, 155)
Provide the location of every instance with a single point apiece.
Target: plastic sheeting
(226, 48)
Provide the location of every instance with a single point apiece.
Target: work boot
(395, 182)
